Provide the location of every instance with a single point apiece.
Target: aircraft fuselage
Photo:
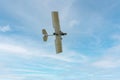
(60, 33)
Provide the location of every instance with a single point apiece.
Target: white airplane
(58, 33)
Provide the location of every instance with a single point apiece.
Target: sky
(91, 49)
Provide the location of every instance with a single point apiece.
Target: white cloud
(24, 51)
(57, 57)
(10, 77)
(116, 37)
(113, 51)
(33, 11)
(77, 57)
(67, 56)
(3, 69)
(74, 23)
(12, 48)
(107, 64)
(5, 28)
(110, 59)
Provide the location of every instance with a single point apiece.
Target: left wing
(55, 21)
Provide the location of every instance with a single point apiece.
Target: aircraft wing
(58, 44)
(55, 21)
(56, 26)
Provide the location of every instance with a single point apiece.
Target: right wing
(58, 44)
(55, 21)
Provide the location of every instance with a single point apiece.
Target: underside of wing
(58, 44)
(55, 21)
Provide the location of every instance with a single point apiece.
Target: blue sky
(91, 49)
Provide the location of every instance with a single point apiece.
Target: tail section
(45, 38)
(44, 32)
(45, 35)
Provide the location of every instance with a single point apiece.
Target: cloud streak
(5, 28)
(12, 48)
(110, 59)
(25, 57)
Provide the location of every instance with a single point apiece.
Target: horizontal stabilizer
(44, 32)
(45, 35)
(45, 38)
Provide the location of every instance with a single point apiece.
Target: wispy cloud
(24, 56)
(5, 28)
(27, 13)
(110, 59)
(12, 48)
(106, 63)
(10, 77)
(74, 23)
(9, 45)
(116, 38)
